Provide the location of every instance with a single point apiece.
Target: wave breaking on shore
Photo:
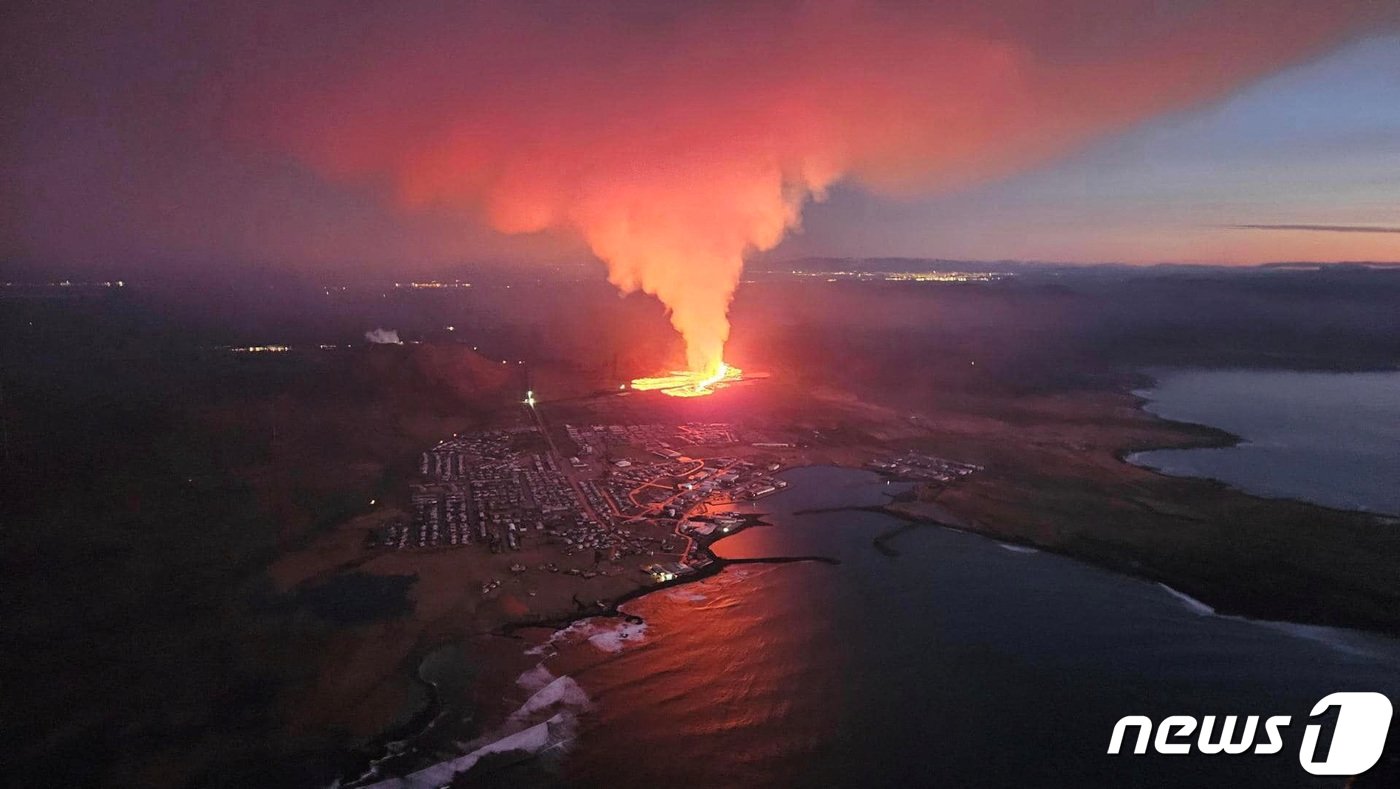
(547, 720)
(1340, 639)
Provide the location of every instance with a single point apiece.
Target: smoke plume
(383, 337)
(675, 140)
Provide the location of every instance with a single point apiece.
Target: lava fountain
(685, 383)
(656, 140)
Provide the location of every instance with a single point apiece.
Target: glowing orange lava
(684, 383)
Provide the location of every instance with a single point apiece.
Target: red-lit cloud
(675, 138)
(675, 141)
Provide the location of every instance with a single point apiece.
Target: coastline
(386, 747)
(1328, 635)
(1222, 600)
(1207, 607)
(1223, 440)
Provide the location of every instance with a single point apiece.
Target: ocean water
(958, 662)
(1328, 438)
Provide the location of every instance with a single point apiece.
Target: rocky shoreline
(389, 747)
(1221, 599)
(1112, 493)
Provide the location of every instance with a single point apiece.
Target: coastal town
(605, 493)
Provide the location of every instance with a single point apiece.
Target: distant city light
(905, 276)
(433, 284)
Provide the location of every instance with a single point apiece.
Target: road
(562, 463)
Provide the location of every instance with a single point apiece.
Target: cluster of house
(919, 466)
(612, 544)
(480, 488)
(671, 488)
(498, 488)
(598, 439)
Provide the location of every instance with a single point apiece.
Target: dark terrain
(151, 476)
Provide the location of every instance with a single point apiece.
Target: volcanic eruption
(674, 140)
(689, 383)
